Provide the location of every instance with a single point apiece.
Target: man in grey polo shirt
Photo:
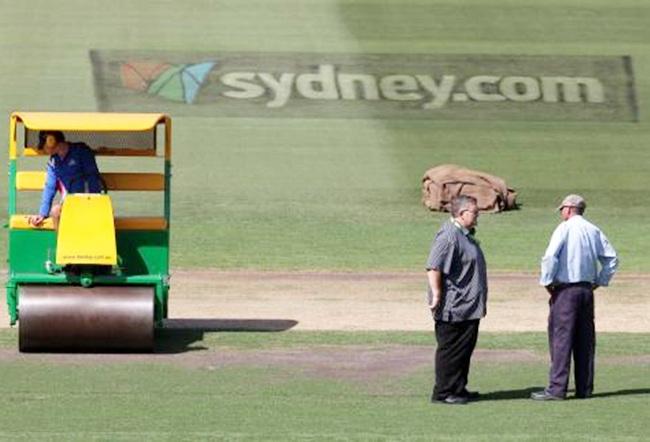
(457, 296)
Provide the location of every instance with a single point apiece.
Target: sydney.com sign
(367, 85)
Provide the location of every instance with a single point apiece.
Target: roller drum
(70, 318)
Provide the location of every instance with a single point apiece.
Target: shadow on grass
(524, 393)
(629, 392)
(508, 395)
(178, 335)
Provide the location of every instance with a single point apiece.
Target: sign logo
(173, 82)
(397, 86)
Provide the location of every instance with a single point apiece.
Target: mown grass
(344, 194)
(338, 194)
(154, 400)
(608, 344)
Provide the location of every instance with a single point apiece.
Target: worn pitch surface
(211, 299)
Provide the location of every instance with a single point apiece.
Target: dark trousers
(571, 331)
(456, 342)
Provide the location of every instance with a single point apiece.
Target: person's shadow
(179, 335)
(507, 395)
(627, 392)
(524, 393)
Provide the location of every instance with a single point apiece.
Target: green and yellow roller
(95, 277)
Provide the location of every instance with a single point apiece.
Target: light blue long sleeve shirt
(574, 253)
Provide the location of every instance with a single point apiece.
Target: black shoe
(453, 400)
(583, 395)
(471, 395)
(544, 396)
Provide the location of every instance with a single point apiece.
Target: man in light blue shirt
(578, 260)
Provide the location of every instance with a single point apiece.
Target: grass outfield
(98, 398)
(339, 194)
(344, 194)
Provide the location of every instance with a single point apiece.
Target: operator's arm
(90, 170)
(49, 190)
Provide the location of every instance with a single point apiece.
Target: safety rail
(35, 180)
(101, 151)
(21, 222)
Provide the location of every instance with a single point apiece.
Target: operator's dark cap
(42, 136)
(573, 201)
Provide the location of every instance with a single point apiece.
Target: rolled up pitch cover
(70, 318)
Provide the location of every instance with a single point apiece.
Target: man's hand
(35, 220)
(435, 301)
(434, 278)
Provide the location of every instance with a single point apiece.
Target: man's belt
(566, 285)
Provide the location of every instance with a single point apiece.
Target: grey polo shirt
(458, 256)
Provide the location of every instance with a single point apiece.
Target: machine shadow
(179, 335)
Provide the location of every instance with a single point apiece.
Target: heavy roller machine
(96, 282)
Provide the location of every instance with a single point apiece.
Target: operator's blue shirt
(77, 172)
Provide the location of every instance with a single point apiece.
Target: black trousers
(456, 342)
(571, 331)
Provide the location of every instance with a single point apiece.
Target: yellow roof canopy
(89, 121)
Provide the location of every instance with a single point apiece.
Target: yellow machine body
(86, 233)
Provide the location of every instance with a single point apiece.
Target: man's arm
(608, 261)
(435, 283)
(439, 262)
(550, 259)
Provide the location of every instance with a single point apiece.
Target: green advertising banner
(395, 86)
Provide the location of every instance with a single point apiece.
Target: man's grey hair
(460, 203)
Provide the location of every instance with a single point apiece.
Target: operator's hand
(36, 220)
